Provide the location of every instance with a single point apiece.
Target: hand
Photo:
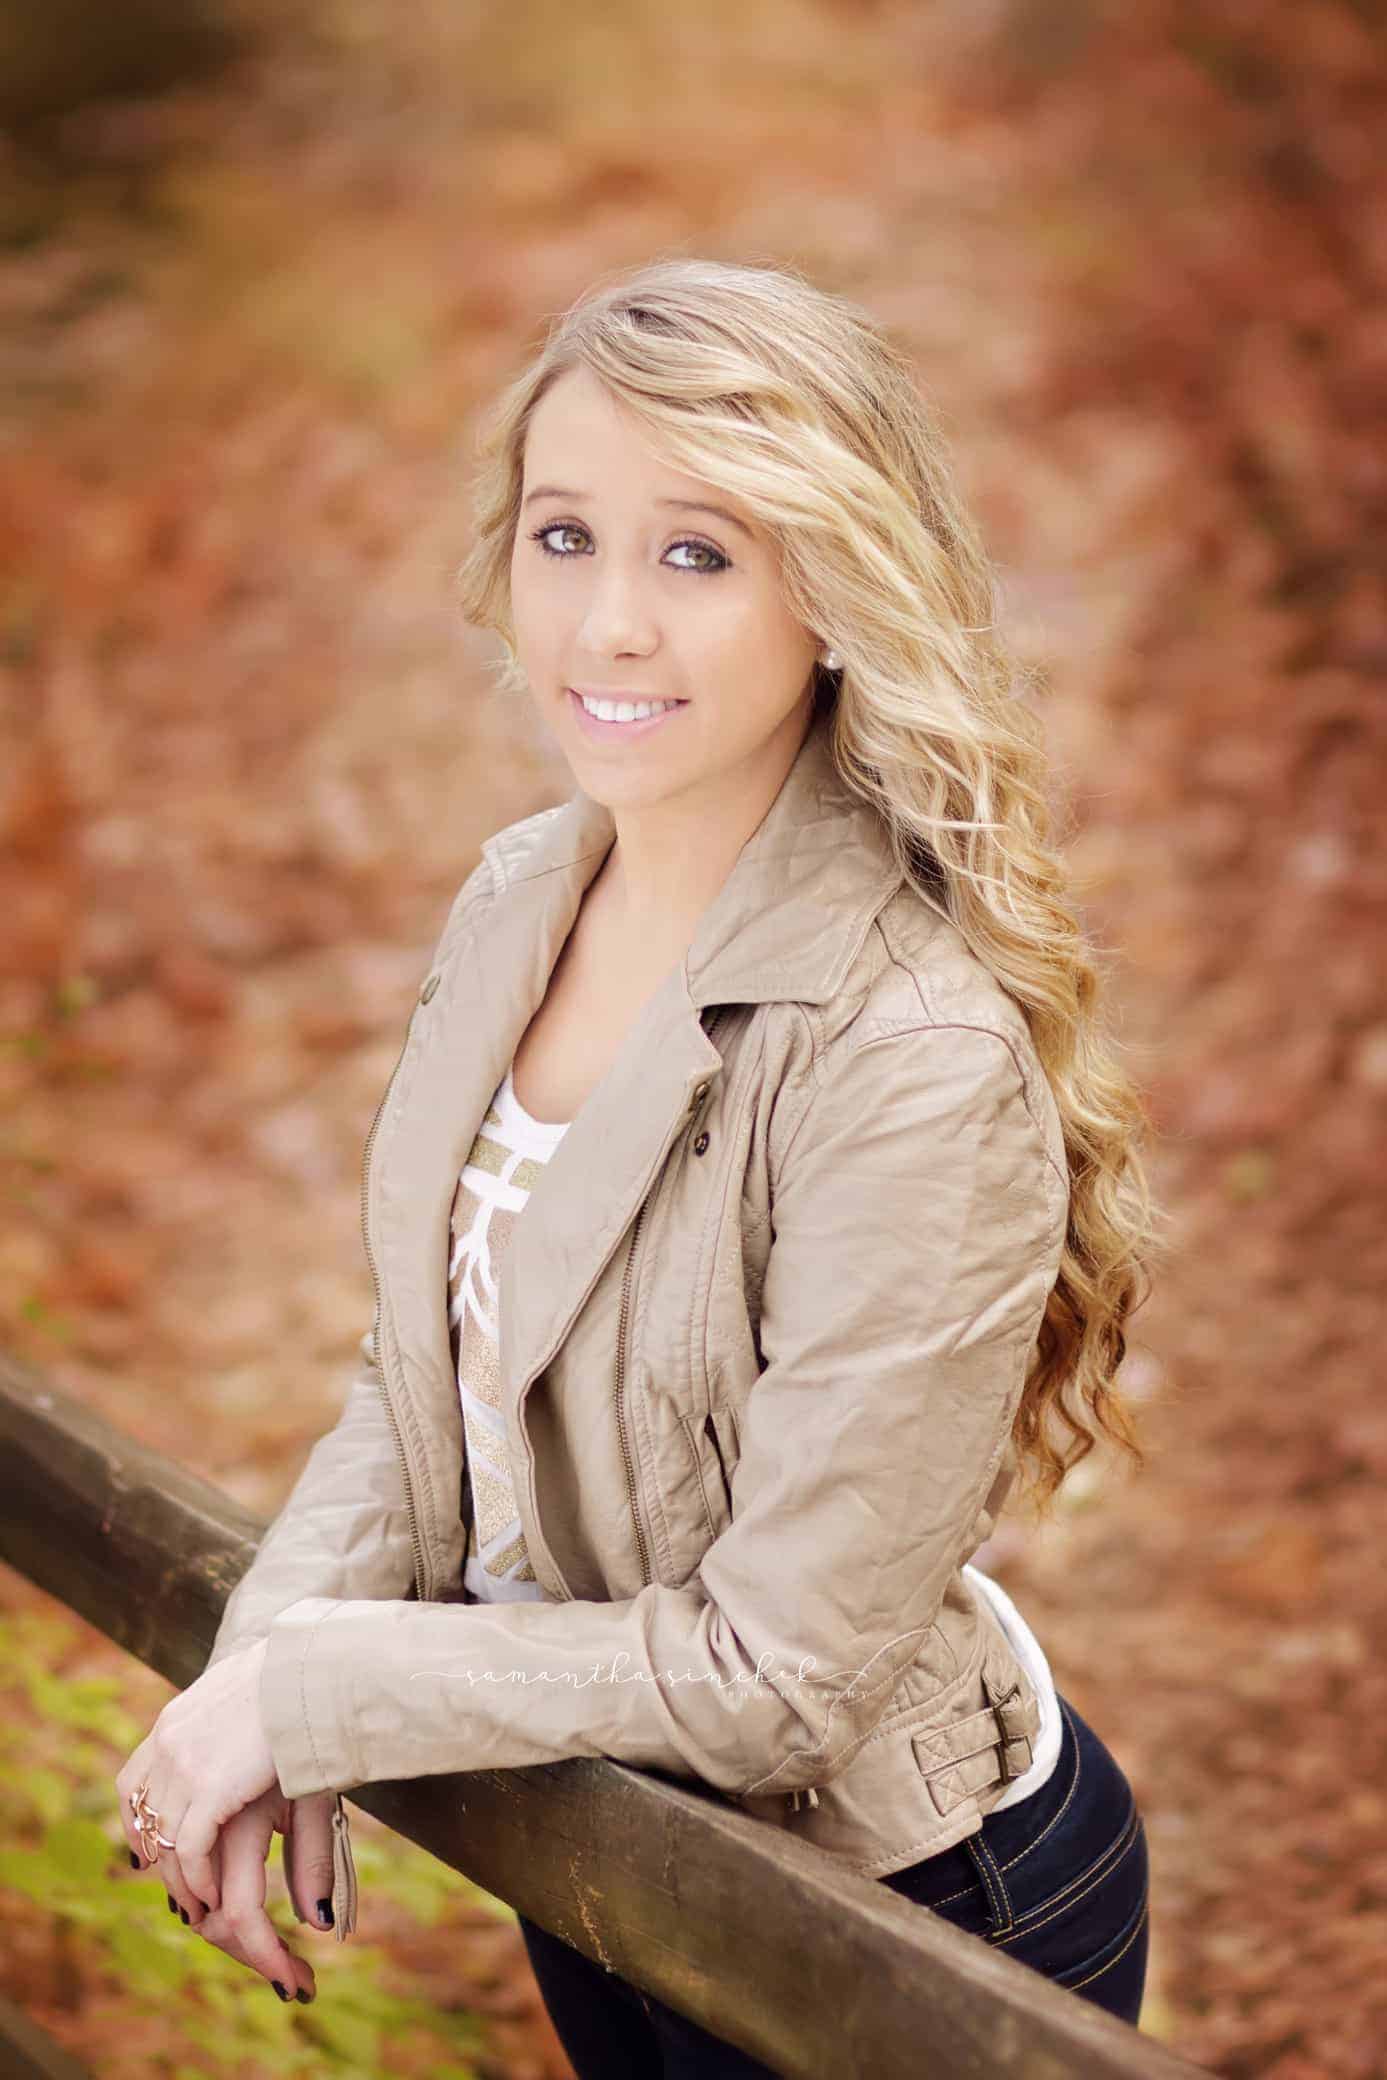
(205, 1760)
(240, 1926)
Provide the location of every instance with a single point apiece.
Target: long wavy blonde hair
(796, 402)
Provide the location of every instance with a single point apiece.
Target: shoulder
(920, 1020)
(512, 850)
(502, 860)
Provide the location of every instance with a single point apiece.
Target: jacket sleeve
(918, 1225)
(344, 1531)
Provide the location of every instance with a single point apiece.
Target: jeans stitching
(1068, 1797)
(1142, 1920)
(999, 1900)
(1060, 1901)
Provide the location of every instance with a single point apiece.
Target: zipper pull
(343, 1874)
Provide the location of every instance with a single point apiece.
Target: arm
(918, 1229)
(344, 1530)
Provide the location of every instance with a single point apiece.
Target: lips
(599, 731)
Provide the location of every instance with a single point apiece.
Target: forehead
(582, 440)
(575, 410)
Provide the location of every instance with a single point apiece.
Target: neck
(670, 859)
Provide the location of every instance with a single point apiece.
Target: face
(625, 586)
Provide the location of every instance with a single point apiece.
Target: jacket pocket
(714, 1456)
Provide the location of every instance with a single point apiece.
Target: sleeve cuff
(302, 1708)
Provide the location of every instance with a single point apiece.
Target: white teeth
(625, 711)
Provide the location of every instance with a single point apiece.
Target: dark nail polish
(173, 1904)
(134, 1861)
(300, 1995)
(204, 1906)
(282, 1991)
(187, 1922)
(325, 1912)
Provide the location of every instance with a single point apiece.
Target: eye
(541, 535)
(710, 569)
(703, 549)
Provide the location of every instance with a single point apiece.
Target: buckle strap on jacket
(972, 1754)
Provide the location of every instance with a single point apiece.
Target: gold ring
(147, 1825)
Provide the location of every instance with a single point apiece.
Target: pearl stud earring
(832, 661)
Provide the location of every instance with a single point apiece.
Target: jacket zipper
(420, 1565)
(627, 1460)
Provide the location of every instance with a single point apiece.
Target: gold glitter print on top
(502, 1165)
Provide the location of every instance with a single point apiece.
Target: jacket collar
(786, 925)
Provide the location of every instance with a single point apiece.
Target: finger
(198, 1837)
(149, 1854)
(195, 1912)
(214, 1930)
(245, 1846)
(308, 1857)
(166, 1863)
(186, 1899)
(128, 1782)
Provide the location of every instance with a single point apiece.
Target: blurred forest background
(262, 264)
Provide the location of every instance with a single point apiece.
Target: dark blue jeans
(1059, 1882)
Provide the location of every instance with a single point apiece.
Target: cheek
(532, 617)
(758, 648)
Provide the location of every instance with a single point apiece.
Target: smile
(624, 720)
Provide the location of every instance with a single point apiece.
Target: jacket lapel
(786, 924)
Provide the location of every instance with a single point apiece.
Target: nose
(617, 621)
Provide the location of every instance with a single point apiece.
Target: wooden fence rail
(772, 1943)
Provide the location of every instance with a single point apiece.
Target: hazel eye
(541, 535)
(719, 562)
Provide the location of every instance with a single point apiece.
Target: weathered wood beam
(29, 2053)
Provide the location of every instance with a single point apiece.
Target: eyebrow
(687, 505)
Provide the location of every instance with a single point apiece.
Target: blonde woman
(756, 1198)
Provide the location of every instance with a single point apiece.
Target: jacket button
(700, 1146)
(700, 1093)
(429, 987)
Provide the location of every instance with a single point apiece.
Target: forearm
(354, 1692)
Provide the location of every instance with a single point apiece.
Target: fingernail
(325, 1913)
(282, 1991)
(187, 1923)
(134, 1861)
(204, 1906)
(173, 1904)
(302, 1996)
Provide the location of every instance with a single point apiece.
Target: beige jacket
(764, 1328)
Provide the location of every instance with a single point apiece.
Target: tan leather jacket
(764, 1328)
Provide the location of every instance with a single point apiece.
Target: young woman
(755, 1198)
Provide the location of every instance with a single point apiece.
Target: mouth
(613, 732)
